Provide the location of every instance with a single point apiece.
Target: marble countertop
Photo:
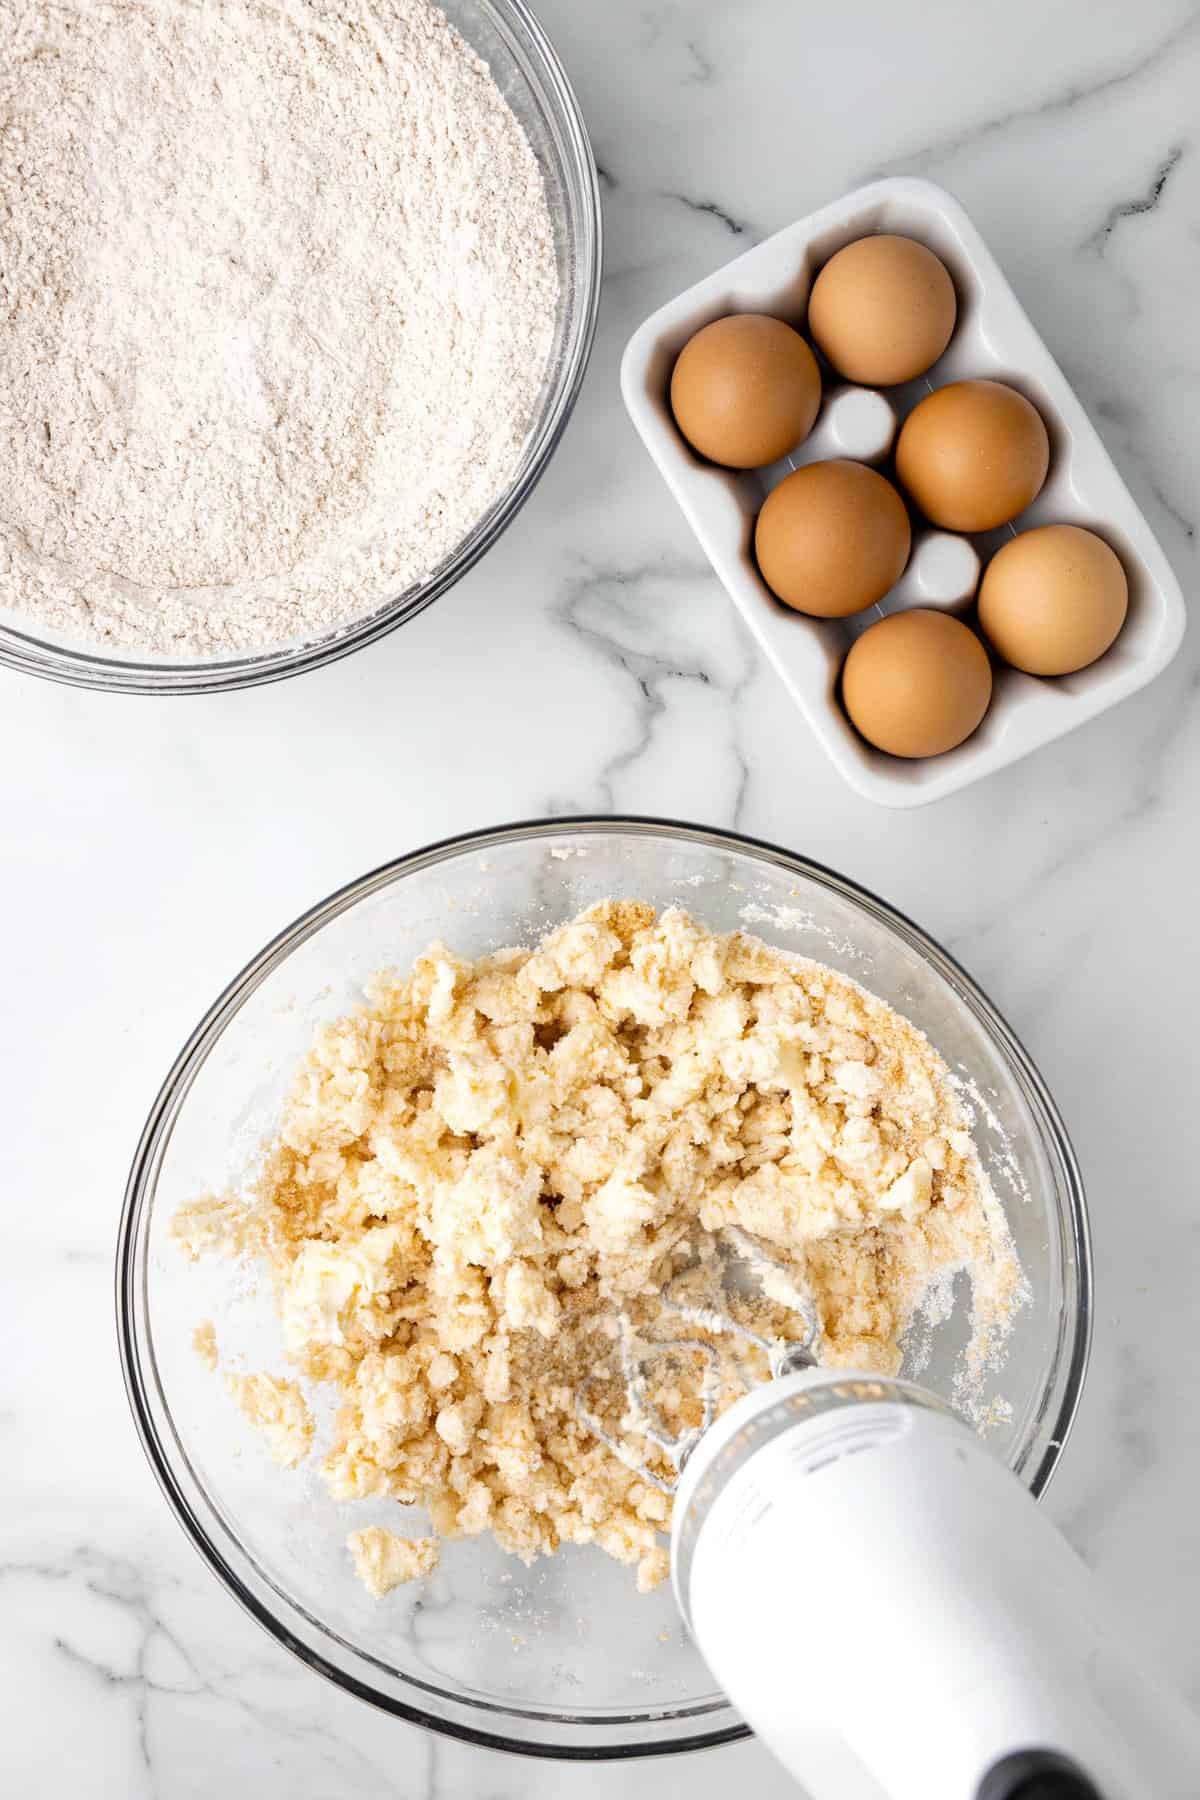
(152, 847)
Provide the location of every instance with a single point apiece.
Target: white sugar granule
(277, 292)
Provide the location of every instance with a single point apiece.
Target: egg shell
(882, 310)
(973, 455)
(832, 538)
(1053, 600)
(745, 390)
(917, 684)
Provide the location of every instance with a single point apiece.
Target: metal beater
(737, 1264)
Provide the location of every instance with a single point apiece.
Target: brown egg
(973, 455)
(745, 390)
(1053, 600)
(882, 310)
(917, 684)
(832, 538)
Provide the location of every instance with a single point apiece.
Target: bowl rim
(1071, 1364)
(79, 665)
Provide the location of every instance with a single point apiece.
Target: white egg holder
(993, 338)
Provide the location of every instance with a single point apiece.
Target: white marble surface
(152, 846)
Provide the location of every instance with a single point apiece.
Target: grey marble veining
(599, 659)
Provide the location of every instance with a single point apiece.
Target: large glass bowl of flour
(525, 68)
(564, 1658)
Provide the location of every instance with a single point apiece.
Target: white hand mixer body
(879, 1596)
(898, 1620)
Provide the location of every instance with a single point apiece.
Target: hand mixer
(884, 1602)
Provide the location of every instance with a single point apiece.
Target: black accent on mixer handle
(1037, 1775)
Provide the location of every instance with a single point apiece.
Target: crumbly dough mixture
(383, 1561)
(204, 1343)
(276, 1408)
(484, 1164)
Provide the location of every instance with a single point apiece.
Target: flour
(277, 292)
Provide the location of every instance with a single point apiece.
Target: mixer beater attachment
(740, 1266)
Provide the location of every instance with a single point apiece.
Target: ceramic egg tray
(993, 338)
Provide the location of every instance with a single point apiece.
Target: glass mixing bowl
(527, 70)
(563, 1659)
